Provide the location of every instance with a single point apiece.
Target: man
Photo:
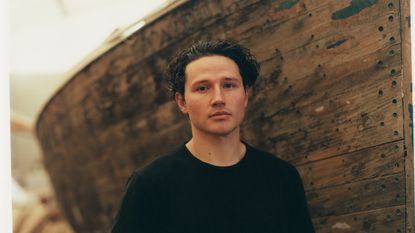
(214, 182)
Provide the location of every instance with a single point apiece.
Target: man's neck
(217, 150)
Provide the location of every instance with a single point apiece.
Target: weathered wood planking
(359, 196)
(361, 165)
(407, 108)
(294, 126)
(329, 100)
(377, 221)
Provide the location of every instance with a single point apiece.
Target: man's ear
(181, 102)
(247, 94)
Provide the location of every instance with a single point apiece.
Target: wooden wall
(333, 98)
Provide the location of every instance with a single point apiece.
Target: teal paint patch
(408, 18)
(337, 43)
(411, 121)
(355, 7)
(286, 5)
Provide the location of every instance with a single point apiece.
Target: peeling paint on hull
(286, 5)
(337, 43)
(355, 7)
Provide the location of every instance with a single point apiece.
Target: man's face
(214, 97)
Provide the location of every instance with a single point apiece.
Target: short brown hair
(247, 64)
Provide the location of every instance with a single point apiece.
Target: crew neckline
(199, 162)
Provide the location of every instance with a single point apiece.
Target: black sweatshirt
(178, 193)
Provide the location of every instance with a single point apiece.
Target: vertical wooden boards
(407, 108)
(333, 98)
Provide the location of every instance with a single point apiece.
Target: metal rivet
(392, 39)
(394, 114)
(390, 5)
(310, 14)
(380, 92)
(394, 83)
(383, 187)
(392, 53)
(388, 218)
(398, 212)
(396, 133)
(396, 179)
(380, 28)
(390, 18)
(393, 72)
(394, 101)
(382, 123)
(380, 62)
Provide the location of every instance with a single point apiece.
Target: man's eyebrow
(207, 81)
(231, 79)
(201, 81)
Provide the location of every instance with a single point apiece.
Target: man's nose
(218, 97)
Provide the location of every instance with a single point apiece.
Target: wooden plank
(361, 165)
(359, 196)
(305, 110)
(384, 220)
(407, 113)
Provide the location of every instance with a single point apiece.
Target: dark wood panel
(322, 115)
(365, 164)
(359, 196)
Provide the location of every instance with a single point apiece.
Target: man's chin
(223, 132)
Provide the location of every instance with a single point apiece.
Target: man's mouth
(221, 113)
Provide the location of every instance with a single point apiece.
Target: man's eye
(201, 88)
(229, 85)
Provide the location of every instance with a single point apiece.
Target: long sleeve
(299, 220)
(138, 209)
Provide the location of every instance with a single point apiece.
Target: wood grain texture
(407, 107)
(361, 165)
(377, 221)
(359, 196)
(332, 98)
